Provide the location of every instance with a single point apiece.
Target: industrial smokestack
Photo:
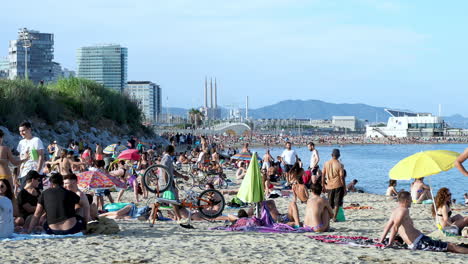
(216, 96)
(211, 92)
(247, 107)
(206, 93)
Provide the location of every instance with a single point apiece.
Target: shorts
(102, 192)
(287, 168)
(78, 227)
(314, 170)
(425, 243)
(335, 197)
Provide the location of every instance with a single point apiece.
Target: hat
(32, 174)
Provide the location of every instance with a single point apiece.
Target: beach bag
(340, 217)
(236, 202)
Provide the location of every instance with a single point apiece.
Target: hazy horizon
(400, 54)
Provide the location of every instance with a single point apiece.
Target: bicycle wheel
(157, 178)
(210, 203)
(222, 183)
(181, 183)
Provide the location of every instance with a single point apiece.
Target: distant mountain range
(316, 109)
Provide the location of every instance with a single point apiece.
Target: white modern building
(4, 68)
(405, 124)
(105, 64)
(148, 97)
(350, 123)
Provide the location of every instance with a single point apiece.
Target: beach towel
(358, 207)
(264, 224)
(16, 237)
(356, 241)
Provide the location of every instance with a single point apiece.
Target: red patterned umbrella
(129, 154)
(98, 180)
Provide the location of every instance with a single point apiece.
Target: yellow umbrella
(423, 164)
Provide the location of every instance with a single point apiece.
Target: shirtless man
(420, 191)
(460, 160)
(64, 163)
(267, 159)
(401, 223)
(314, 161)
(318, 211)
(70, 182)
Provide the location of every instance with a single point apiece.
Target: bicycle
(209, 203)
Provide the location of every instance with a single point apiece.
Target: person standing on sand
(333, 181)
(289, 157)
(29, 146)
(460, 160)
(314, 161)
(401, 223)
(7, 157)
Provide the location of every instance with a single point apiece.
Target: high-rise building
(4, 68)
(148, 97)
(105, 64)
(38, 60)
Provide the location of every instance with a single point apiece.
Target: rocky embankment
(64, 131)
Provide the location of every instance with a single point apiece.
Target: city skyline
(382, 53)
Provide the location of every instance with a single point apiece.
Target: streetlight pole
(27, 43)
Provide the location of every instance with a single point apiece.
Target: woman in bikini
(443, 201)
(7, 157)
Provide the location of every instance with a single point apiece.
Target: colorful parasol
(98, 180)
(129, 154)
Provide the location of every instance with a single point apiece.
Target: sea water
(370, 165)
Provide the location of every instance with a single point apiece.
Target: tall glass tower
(105, 64)
(32, 52)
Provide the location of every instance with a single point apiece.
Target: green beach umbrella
(251, 189)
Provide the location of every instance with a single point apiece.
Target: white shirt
(313, 158)
(25, 146)
(289, 156)
(7, 225)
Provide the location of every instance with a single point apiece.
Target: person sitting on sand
(351, 187)
(28, 197)
(391, 190)
(444, 212)
(70, 182)
(401, 223)
(318, 211)
(59, 205)
(65, 163)
(420, 191)
(240, 173)
(298, 187)
(291, 218)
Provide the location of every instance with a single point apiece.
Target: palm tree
(196, 117)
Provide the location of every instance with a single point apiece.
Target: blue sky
(401, 54)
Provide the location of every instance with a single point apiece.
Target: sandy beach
(167, 242)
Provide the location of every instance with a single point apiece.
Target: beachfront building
(105, 64)
(148, 97)
(348, 123)
(406, 124)
(39, 60)
(4, 68)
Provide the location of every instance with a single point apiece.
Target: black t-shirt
(59, 204)
(25, 197)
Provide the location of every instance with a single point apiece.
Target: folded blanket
(275, 228)
(15, 236)
(357, 241)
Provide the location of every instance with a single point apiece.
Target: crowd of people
(32, 202)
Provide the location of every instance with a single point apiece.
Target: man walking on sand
(289, 157)
(333, 181)
(401, 223)
(29, 146)
(314, 161)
